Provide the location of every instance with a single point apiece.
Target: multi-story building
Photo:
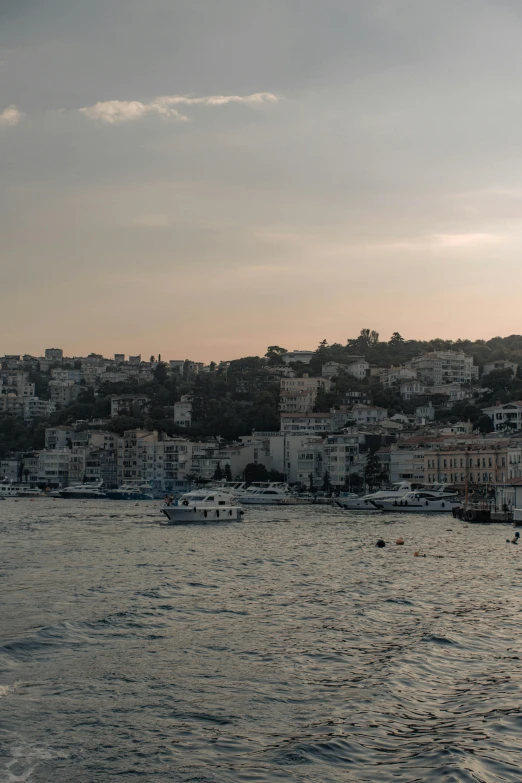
(54, 354)
(11, 403)
(340, 458)
(410, 389)
(299, 395)
(183, 412)
(129, 404)
(368, 414)
(360, 369)
(298, 356)
(58, 437)
(500, 364)
(35, 408)
(53, 467)
(308, 423)
(504, 417)
(63, 393)
(441, 367)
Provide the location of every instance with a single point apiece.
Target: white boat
(92, 491)
(9, 489)
(271, 494)
(366, 502)
(203, 507)
(421, 501)
(130, 492)
(398, 491)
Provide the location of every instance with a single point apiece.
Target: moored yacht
(92, 491)
(8, 489)
(203, 507)
(366, 502)
(423, 501)
(130, 492)
(270, 494)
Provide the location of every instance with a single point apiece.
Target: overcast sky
(203, 178)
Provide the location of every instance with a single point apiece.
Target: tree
(396, 339)
(160, 372)
(26, 474)
(373, 473)
(228, 473)
(484, 424)
(274, 354)
(311, 485)
(218, 473)
(327, 486)
(255, 472)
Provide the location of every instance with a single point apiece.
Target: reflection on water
(284, 648)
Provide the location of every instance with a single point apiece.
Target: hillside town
(334, 418)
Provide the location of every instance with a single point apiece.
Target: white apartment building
(58, 374)
(63, 392)
(309, 423)
(54, 354)
(58, 437)
(396, 376)
(359, 369)
(11, 403)
(298, 395)
(505, 416)
(35, 408)
(128, 404)
(298, 356)
(441, 367)
(407, 462)
(183, 412)
(367, 414)
(410, 389)
(309, 462)
(340, 458)
(53, 467)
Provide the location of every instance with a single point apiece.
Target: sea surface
(283, 648)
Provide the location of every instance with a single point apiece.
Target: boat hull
(422, 507)
(178, 515)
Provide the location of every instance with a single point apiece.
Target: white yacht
(421, 501)
(270, 494)
(130, 492)
(203, 507)
(368, 502)
(10, 490)
(92, 491)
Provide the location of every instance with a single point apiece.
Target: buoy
(415, 554)
(400, 541)
(380, 543)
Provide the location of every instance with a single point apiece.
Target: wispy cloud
(115, 111)
(11, 116)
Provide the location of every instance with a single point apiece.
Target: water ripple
(276, 650)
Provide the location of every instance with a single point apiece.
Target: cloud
(112, 112)
(466, 240)
(11, 116)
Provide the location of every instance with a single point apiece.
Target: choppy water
(284, 648)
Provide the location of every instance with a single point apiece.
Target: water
(285, 648)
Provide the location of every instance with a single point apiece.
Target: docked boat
(10, 490)
(203, 508)
(130, 492)
(366, 502)
(395, 494)
(421, 501)
(92, 491)
(271, 494)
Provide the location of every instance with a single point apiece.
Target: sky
(203, 179)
